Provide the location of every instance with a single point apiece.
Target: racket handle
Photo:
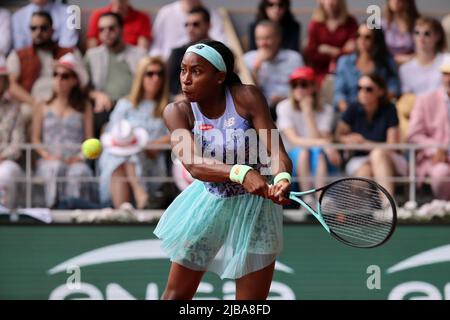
(287, 195)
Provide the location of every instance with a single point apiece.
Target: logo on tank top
(229, 122)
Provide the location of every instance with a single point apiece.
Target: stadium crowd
(344, 83)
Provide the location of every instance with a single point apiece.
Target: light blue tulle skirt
(231, 236)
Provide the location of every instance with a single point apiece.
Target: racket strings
(355, 223)
(359, 235)
(358, 212)
(362, 216)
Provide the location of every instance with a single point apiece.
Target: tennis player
(229, 220)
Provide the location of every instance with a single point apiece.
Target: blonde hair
(319, 14)
(137, 89)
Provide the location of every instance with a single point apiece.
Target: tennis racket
(356, 211)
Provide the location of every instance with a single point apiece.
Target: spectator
(430, 45)
(142, 110)
(398, 25)
(446, 26)
(278, 11)
(372, 120)
(31, 68)
(306, 125)
(62, 124)
(372, 56)
(136, 24)
(270, 65)
(170, 25)
(331, 33)
(197, 25)
(430, 124)
(5, 31)
(111, 67)
(430, 42)
(63, 35)
(12, 133)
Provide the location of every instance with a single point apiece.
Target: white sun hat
(74, 63)
(124, 140)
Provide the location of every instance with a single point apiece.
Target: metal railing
(408, 149)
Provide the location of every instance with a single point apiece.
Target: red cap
(303, 73)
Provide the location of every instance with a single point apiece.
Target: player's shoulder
(178, 110)
(245, 92)
(177, 107)
(249, 96)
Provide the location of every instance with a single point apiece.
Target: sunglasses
(365, 36)
(109, 28)
(151, 74)
(367, 89)
(62, 75)
(195, 24)
(426, 34)
(275, 4)
(43, 28)
(301, 84)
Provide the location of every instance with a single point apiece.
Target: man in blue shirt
(62, 34)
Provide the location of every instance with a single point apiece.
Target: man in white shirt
(197, 25)
(421, 74)
(170, 31)
(65, 37)
(270, 65)
(111, 68)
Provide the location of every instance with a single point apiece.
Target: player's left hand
(277, 192)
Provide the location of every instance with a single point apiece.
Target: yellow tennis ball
(91, 148)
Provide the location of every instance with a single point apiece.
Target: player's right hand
(278, 192)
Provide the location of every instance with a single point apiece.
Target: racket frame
(294, 196)
(318, 215)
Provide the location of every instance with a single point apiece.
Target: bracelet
(238, 172)
(282, 176)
